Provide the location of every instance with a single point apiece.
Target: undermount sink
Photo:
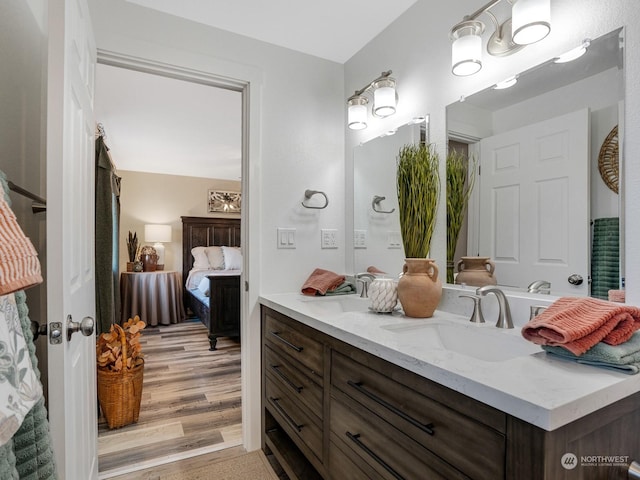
(483, 342)
(336, 304)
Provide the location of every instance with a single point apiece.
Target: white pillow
(200, 259)
(203, 286)
(216, 258)
(232, 258)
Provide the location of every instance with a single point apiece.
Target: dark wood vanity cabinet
(336, 412)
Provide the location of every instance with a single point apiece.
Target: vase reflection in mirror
(476, 271)
(419, 288)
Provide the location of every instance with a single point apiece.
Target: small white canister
(383, 293)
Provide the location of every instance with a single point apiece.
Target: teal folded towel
(344, 288)
(624, 358)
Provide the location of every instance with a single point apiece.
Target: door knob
(85, 327)
(575, 279)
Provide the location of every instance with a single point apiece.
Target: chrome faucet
(539, 286)
(360, 278)
(504, 312)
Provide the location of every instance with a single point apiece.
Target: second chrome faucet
(504, 312)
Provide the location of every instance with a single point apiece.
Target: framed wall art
(224, 202)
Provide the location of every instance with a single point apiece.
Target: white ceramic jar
(383, 294)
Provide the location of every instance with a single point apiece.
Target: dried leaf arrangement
(132, 246)
(418, 183)
(120, 349)
(461, 176)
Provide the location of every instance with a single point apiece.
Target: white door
(534, 212)
(70, 238)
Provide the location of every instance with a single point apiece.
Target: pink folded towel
(577, 324)
(320, 281)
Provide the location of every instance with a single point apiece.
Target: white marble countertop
(507, 373)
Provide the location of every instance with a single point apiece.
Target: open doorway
(173, 140)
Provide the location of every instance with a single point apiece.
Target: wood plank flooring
(191, 402)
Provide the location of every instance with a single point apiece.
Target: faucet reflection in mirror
(385, 99)
(529, 23)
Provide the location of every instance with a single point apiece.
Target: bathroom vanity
(351, 394)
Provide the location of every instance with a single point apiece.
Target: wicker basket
(608, 160)
(120, 394)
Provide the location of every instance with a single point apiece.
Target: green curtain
(107, 233)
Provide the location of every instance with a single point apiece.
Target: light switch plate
(359, 239)
(394, 240)
(329, 238)
(286, 237)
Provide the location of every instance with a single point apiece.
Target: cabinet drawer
(378, 447)
(283, 337)
(447, 433)
(293, 381)
(299, 423)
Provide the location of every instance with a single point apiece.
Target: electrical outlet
(286, 237)
(359, 239)
(394, 240)
(329, 238)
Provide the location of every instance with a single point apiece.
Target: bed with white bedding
(212, 265)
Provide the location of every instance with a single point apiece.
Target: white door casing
(70, 237)
(534, 209)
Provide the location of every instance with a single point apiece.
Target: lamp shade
(466, 49)
(384, 97)
(357, 112)
(157, 233)
(531, 21)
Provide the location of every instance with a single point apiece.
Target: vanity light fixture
(385, 99)
(574, 53)
(530, 23)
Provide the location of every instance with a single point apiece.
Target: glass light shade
(531, 21)
(384, 98)
(507, 83)
(466, 55)
(574, 54)
(357, 113)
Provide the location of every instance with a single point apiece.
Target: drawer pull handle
(288, 344)
(286, 416)
(428, 428)
(356, 439)
(287, 380)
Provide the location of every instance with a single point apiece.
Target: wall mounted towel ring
(375, 204)
(310, 193)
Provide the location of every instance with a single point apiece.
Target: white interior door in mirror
(533, 220)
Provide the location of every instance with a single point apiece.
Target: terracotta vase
(476, 271)
(419, 289)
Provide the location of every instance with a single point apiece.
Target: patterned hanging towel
(19, 265)
(20, 388)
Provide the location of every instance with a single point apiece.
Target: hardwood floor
(191, 402)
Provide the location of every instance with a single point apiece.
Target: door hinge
(246, 286)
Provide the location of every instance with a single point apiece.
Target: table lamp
(158, 234)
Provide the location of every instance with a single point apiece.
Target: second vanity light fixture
(385, 100)
(530, 22)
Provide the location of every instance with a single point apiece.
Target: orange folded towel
(577, 324)
(320, 281)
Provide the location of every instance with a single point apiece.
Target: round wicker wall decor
(608, 160)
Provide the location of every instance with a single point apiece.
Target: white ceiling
(162, 125)
(331, 29)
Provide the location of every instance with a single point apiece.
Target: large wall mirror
(377, 239)
(546, 204)
(557, 117)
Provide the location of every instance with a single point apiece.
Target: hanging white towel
(19, 386)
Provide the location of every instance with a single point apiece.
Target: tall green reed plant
(418, 182)
(460, 181)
